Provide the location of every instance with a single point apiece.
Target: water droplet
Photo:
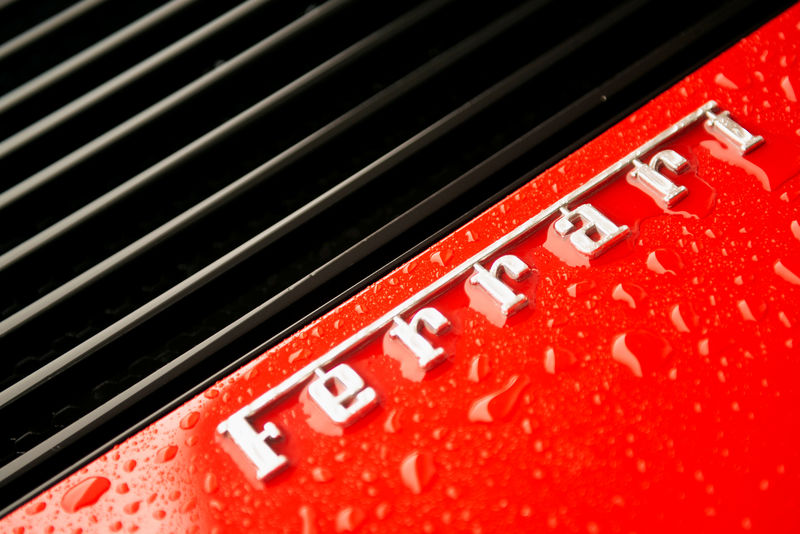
(723, 81)
(210, 483)
(392, 424)
(788, 90)
(190, 420)
(499, 404)
(752, 309)
(131, 507)
(166, 454)
(382, 510)
(129, 466)
(123, 488)
(795, 227)
(441, 257)
(251, 374)
(663, 261)
(684, 317)
(479, 368)
(557, 359)
(417, 470)
(349, 519)
(211, 393)
(770, 172)
(321, 474)
(85, 493)
(787, 274)
(188, 506)
(116, 526)
(581, 289)
(36, 508)
(308, 520)
(631, 294)
(301, 354)
(633, 348)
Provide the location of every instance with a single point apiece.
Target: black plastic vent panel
(183, 182)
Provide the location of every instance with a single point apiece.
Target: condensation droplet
(787, 274)
(478, 368)
(752, 309)
(631, 294)
(349, 519)
(499, 404)
(723, 81)
(795, 227)
(210, 483)
(321, 474)
(190, 420)
(392, 423)
(581, 289)
(557, 359)
(633, 348)
(417, 471)
(299, 355)
(788, 90)
(382, 510)
(85, 493)
(308, 520)
(684, 317)
(441, 257)
(36, 508)
(165, 454)
(663, 261)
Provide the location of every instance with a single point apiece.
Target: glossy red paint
(650, 390)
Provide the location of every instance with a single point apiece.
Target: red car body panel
(650, 389)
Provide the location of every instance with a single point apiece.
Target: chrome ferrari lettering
(596, 234)
(408, 334)
(342, 394)
(665, 189)
(254, 444)
(490, 281)
(722, 125)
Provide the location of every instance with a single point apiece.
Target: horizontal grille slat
(120, 81)
(203, 143)
(287, 224)
(352, 155)
(68, 67)
(22, 40)
(186, 93)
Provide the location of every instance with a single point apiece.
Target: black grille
(184, 180)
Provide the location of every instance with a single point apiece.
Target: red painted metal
(650, 390)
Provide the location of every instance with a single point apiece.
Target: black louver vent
(181, 181)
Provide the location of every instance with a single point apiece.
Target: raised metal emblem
(343, 395)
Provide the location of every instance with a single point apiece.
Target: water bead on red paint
(84, 493)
